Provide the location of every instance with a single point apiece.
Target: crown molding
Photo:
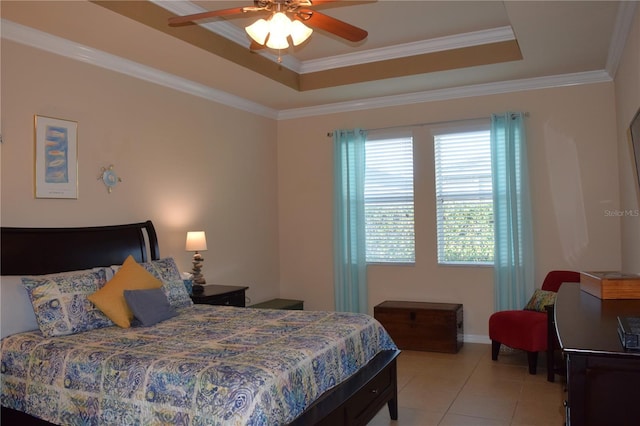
(624, 21)
(57, 45)
(421, 47)
(63, 47)
(563, 80)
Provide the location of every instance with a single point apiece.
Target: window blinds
(389, 208)
(464, 199)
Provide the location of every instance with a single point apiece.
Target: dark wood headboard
(37, 251)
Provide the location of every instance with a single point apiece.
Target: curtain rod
(432, 123)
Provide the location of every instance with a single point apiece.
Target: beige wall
(186, 164)
(573, 167)
(627, 84)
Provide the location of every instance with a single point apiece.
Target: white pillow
(16, 311)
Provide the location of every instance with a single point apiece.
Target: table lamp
(196, 242)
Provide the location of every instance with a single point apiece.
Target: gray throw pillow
(149, 306)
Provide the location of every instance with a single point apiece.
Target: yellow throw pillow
(110, 298)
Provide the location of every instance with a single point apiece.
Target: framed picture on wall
(56, 174)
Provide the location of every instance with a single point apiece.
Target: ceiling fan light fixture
(275, 31)
(299, 32)
(258, 31)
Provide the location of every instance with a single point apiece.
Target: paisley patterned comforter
(210, 365)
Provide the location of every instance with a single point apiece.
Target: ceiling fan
(287, 18)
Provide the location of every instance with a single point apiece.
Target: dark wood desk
(603, 379)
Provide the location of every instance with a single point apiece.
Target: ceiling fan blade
(188, 19)
(319, 2)
(335, 26)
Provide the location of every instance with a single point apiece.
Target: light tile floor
(468, 389)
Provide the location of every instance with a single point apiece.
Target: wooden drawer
(287, 304)
(232, 299)
(423, 326)
(356, 401)
(220, 295)
(374, 393)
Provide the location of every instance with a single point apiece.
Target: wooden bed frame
(37, 251)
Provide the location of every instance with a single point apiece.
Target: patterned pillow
(540, 299)
(60, 301)
(173, 285)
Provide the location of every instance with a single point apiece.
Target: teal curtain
(513, 254)
(350, 267)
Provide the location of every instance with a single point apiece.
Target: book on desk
(629, 332)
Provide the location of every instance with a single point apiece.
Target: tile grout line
(461, 388)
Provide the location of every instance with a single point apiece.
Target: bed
(202, 366)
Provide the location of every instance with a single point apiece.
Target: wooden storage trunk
(422, 326)
(611, 285)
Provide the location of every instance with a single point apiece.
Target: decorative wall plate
(109, 177)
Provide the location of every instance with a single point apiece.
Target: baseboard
(476, 338)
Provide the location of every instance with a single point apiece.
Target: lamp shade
(196, 241)
(258, 31)
(299, 32)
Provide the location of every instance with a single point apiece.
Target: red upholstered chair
(523, 329)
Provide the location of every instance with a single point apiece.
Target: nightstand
(228, 295)
(287, 304)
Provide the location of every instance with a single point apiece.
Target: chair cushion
(525, 330)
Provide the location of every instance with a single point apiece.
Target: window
(464, 199)
(388, 198)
